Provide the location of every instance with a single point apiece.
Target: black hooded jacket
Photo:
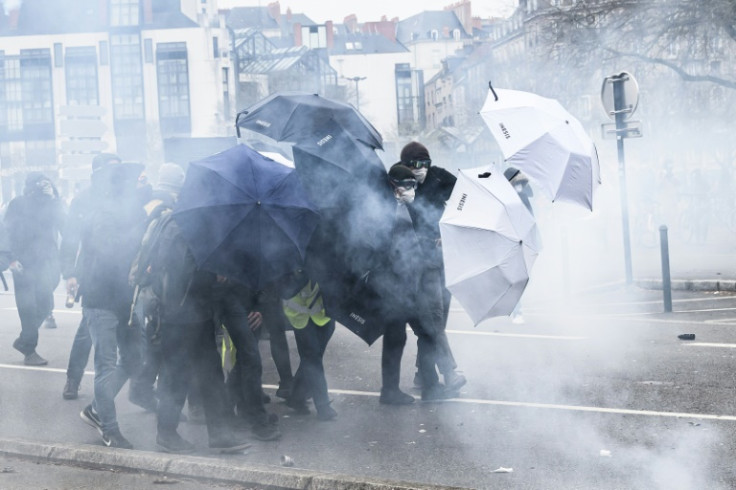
(427, 208)
(33, 222)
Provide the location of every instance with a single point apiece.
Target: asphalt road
(596, 393)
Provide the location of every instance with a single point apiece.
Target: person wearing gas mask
(33, 222)
(402, 301)
(434, 186)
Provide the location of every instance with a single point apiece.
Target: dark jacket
(33, 222)
(79, 211)
(111, 233)
(427, 208)
(186, 291)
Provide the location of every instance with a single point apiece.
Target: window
(81, 76)
(104, 54)
(148, 50)
(58, 59)
(456, 34)
(410, 98)
(124, 12)
(35, 72)
(434, 35)
(173, 88)
(127, 81)
(215, 47)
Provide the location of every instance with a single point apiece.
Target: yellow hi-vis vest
(305, 305)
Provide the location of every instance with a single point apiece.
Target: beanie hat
(413, 152)
(170, 177)
(103, 159)
(510, 173)
(399, 172)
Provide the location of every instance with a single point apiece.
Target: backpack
(147, 272)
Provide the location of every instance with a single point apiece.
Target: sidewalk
(164, 468)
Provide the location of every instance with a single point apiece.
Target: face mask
(420, 174)
(45, 187)
(404, 195)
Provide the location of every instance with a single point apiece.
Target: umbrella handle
(237, 128)
(495, 95)
(484, 175)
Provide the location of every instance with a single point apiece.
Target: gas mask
(420, 174)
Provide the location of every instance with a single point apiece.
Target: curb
(198, 468)
(690, 284)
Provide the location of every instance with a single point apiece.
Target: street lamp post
(357, 80)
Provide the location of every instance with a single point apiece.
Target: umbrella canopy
(298, 117)
(245, 217)
(539, 137)
(489, 244)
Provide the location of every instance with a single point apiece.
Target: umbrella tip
(484, 175)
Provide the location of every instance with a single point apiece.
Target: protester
(232, 311)
(434, 187)
(33, 222)
(401, 302)
(521, 185)
(80, 208)
(163, 196)
(187, 339)
(312, 331)
(111, 235)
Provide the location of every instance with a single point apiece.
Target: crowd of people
(185, 336)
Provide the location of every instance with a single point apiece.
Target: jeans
(110, 332)
(79, 355)
(309, 380)
(34, 298)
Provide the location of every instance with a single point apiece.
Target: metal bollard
(666, 281)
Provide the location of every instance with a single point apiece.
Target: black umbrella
(245, 217)
(298, 117)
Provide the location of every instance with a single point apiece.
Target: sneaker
(71, 389)
(229, 443)
(454, 381)
(33, 359)
(49, 322)
(417, 380)
(326, 413)
(147, 402)
(395, 397)
(435, 393)
(299, 406)
(114, 438)
(90, 417)
(266, 432)
(172, 442)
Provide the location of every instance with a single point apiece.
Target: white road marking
(70, 310)
(711, 344)
(548, 406)
(517, 335)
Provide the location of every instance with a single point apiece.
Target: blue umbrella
(245, 216)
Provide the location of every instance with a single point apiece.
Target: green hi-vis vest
(305, 305)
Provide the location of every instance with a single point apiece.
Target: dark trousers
(79, 355)
(142, 384)
(274, 324)
(394, 340)
(231, 312)
(433, 311)
(309, 380)
(189, 356)
(34, 298)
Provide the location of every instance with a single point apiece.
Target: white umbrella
(278, 158)
(539, 137)
(489, 244)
